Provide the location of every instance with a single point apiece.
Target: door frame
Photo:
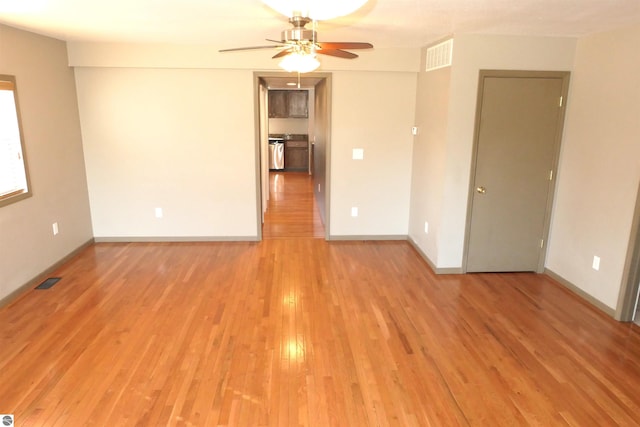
(565, 76)
(261, 143)
(625, 309)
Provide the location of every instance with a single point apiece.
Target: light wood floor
(292, 210)
(304, 332)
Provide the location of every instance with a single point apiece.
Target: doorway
(286, 192)
(519, 124)
(628, 307)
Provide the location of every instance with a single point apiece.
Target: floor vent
(440, 55)
(48, 283)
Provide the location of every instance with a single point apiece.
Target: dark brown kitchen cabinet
(278, 104)
(298, 103)
(296, 159)
(296, 155)
(288, 103)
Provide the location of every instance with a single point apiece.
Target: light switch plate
(358, 154)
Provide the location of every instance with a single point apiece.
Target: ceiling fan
(302, 41)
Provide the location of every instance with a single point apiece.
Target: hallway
(292, 211)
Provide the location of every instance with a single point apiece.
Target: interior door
(518, 131)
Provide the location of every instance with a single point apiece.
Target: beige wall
(144, 132)
(599, 165)
(179, 139)
(429, 158)
(51, 129)
(298, 126)
(160, 77)
(373, 111)
(471, 53)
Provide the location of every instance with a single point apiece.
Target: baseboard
(452, 270)
(43, 275)
(422, 254)
(373, 237)
(582, 294)
(169, 239)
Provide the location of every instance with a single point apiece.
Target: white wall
(373, 111)
(471, 54)
(599, 165)
(179, 139)
(51, 129)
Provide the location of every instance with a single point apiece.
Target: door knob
(481, 190)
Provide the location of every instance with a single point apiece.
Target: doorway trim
(625, 309)
(261, 141)
(565, 76)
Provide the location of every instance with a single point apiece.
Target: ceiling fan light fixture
(299, 62)
(319, 10)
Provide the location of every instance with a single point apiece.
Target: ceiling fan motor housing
(298, 34)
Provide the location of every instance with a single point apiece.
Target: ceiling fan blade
(344, 45)
(282, 53)
(337, 52)
(250, 48)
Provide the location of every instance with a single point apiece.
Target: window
(14, 180)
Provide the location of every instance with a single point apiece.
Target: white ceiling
(385, 23)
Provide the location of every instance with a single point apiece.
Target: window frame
(8, 82)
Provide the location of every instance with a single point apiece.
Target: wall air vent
(440, 55)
